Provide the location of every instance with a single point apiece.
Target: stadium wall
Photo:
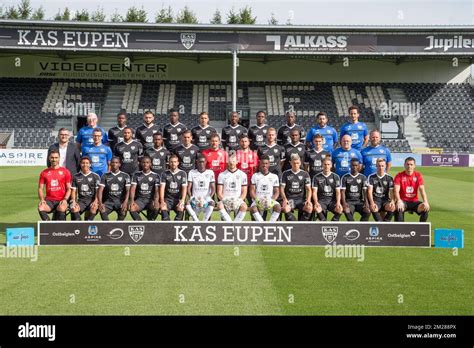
(359, 70)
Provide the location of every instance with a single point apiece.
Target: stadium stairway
(113, 104)
(257, 101)
(412, 129)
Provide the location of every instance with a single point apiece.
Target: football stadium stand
(33, 109)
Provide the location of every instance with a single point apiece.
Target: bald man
(84, 137)
(343, 155)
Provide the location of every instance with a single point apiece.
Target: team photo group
(271, 174)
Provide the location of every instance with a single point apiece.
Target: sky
(322, 12)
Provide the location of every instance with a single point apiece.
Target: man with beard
(158, 154)
(328, 133)
(115, 134)
(129, 151)
(231, 133)
(202, 133)
(144, 133)
(327, 192)
(173, 131)
(187, 152)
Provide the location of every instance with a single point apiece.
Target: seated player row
(176, 190)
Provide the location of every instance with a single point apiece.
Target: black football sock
(349, 216)
(136, 215)
(44, 215)
(289, 217)
(61, 216)
(306, 216)
(377, 216)
(399, 216)
(165, 216)
(152, 215)
(104, 216)
(365, 217)
(388, 216)
(321, 216)
(121, 216)
(75, 216)
(424, 216)
(90, 216)
(336, 217)
(179, 216)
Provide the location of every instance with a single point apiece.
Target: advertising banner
(155, 40)
(23, 157)
(445, 160)
(242, 233)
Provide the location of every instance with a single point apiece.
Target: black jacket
(73, 157)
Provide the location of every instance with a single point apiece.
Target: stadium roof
(326, 40)
(241, 27)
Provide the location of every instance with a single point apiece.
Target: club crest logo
(330, 233)
(136, 232)
(188, 39)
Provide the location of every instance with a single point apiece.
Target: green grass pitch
(186, 280)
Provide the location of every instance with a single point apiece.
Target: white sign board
(23, 157)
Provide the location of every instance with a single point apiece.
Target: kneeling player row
(155, 194)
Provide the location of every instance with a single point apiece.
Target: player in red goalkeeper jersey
(56, 181)
(216, 158)
(406, 186)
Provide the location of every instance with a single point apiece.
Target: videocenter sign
(201, 41)
(244, 233)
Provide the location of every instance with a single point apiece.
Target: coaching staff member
(69, 155)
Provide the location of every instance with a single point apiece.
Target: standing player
(327, 192)
(173, 190)
(264, 191)
(356, 130)
(158, 154)
(313, 160)
(231, 191)
(84, 138)
(172, 131)
(114, 191)
(83, 195)
(354, 192)
(231, 133)
(328, 133)
(144, 192)
(296, 192)
(247, 161)
(374, 151)
(115, 134)
(283, 136)
(129, 151)
(342, 156)
(216, 158)
(294, 147)
(201, 189)
(187, 152)
(380, 192)
(258, 133)
(56, 181)
(202, 133)
(99, 154)
(275, 152)
(406, 186)
(144, 133)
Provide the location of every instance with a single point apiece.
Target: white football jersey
(201, 182)
(232, 182)
(264, 184)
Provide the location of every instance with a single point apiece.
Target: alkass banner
(201, 42)
(243, 233)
